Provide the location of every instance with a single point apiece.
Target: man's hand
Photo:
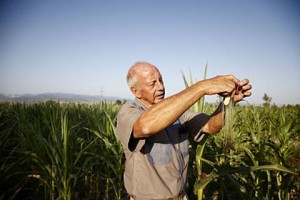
(223, 85)
(228, 85)
(241, 91)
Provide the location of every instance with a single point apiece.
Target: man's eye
(152, 83)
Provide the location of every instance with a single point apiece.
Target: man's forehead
(150, 74)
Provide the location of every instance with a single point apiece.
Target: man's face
(151, 88)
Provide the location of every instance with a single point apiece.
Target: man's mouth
(160, 96)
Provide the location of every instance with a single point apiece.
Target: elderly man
(154, 130)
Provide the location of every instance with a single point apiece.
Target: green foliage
(199, 106)
(69, 151)
(255, 156)
(60, 151)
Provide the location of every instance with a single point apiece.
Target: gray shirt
(156, 167)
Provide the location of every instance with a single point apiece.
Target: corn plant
(199, 106)
(236, 163)
(196, 150)
(49, 152)
(111, 157)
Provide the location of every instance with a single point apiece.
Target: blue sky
(86, 47)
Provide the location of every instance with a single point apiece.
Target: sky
(87, 47)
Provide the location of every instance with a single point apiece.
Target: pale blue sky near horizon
(87, 47)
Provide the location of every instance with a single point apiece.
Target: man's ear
(136, 92)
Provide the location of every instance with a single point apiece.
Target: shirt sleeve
(194, 123)
(126, 118)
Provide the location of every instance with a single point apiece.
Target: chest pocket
(161, 154)
(163, 147)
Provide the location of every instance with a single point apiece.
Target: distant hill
(61, 97)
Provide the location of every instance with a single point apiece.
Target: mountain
(61, 97)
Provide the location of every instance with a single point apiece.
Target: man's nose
(160, 85)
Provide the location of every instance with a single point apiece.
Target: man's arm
(163, 114)
(216, 121)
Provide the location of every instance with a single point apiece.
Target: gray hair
(132, 77)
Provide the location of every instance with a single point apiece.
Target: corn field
(69, 151)
(262, 160)
(60, 151)
(255, 156)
